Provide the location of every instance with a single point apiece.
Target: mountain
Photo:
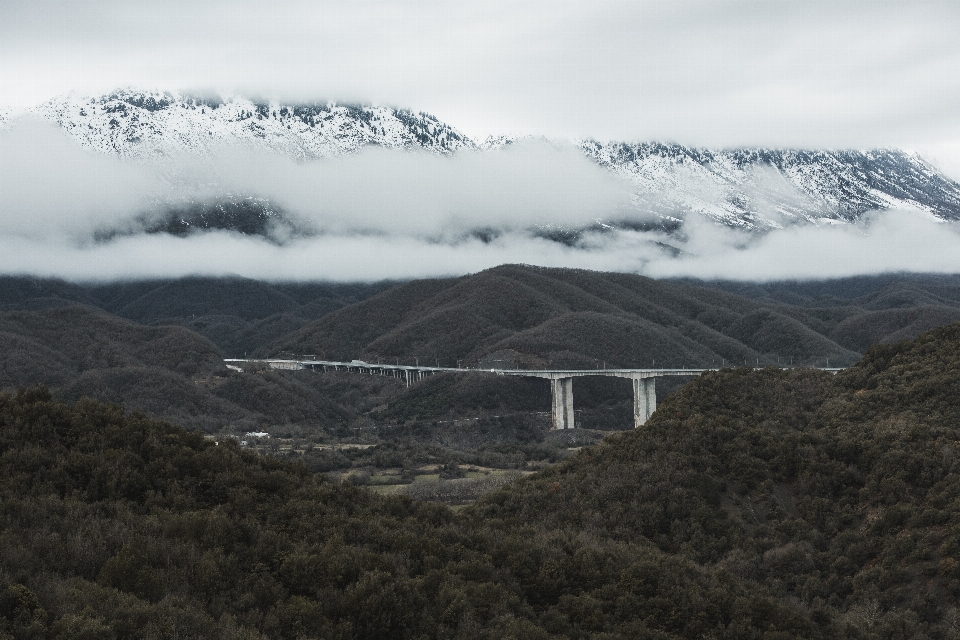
(537, 317)
(761, 189)
(755, 189)
(237, 314)
(169, 372)
(143, 125)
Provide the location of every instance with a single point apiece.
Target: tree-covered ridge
(838, 495)
(121, 526)
(754, 504)
(69, 337)
(543, 317)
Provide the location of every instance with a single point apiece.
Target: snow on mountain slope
(763, 188)
(6, 117)
(142, 125)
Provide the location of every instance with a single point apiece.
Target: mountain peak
(143, 124)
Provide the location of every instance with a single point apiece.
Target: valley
(755, 503)
(158, 347)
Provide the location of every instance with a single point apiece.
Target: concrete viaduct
(561, 380)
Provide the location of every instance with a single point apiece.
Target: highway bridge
(561, 380)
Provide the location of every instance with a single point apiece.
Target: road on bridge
(561, 380)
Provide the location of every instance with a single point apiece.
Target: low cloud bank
(891, 242)
(528, 184)
(386, 214)
(50, 188)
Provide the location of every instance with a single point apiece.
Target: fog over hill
(149, 184)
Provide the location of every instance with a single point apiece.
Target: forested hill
(237, 314)
(838, 494)
(89, 339)
(754, 504)
(530, 316)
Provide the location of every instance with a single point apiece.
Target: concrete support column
(644, 400)
(562, 390)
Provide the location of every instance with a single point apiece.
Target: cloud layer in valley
(381, 191)
(893, 242)
(389, 214)
(52, 190)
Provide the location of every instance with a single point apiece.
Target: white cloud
(51, 188)
(945, 155)
(892, 242)
(407, 193)
(390, 214)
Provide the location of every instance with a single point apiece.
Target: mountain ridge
(537, 317)
(827, 186)
(144, 125)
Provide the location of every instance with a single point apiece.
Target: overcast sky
(838, 73)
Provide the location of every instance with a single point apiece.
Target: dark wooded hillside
(117, 526)
(754, 504)
(70, 337)
(236, 314)
(168, 371)
(838, 494)
(517, 315)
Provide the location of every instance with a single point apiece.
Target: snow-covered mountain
(755, 189)
(770, 188)
(142, 125)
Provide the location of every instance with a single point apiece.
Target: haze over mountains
(765, 187)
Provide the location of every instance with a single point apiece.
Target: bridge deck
(561, 380)
(301, 363)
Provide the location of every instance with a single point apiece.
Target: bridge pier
(644, 400)
(562, 391)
